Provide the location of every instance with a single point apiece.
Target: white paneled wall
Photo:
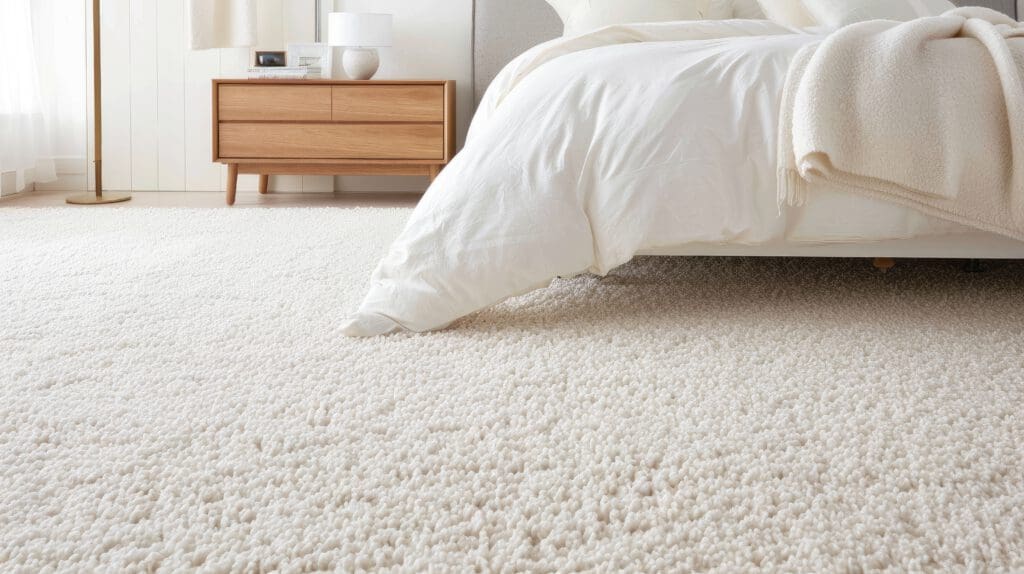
(156, 92)
(156, 95)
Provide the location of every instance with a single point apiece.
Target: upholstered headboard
(503, 29)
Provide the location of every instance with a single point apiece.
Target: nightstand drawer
(333, 141)
(387, 103)
(240, 102)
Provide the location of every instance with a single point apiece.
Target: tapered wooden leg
(884, 263)
(435, 170)
(232, 182)
(264, 184)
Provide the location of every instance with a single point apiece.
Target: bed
(503, 30)
(544, 188)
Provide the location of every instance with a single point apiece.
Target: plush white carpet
(175, 395)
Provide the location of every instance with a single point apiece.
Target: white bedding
(588, 150)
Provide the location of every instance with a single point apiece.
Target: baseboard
(65, 182)
(381, 184)
(71, 176)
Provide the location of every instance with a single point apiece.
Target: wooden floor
(202, 199)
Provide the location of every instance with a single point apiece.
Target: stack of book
(286, 73)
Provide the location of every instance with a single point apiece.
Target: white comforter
(588, 150)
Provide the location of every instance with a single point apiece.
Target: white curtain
(42, 91)
(25, 145)
(61, 33)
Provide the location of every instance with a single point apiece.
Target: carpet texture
(175, 395)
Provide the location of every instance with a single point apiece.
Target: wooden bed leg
(435, 170)
(884, 264)
(264, 184)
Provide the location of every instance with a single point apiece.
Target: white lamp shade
(358, 30)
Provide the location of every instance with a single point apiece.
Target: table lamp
(361, 34)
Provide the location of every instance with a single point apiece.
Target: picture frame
(271, 59)
(312, 55)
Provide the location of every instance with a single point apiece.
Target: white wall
(156, 92)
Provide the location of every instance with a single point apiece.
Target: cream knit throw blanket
(928, 113)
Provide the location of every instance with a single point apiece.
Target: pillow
(839, 13)
(719, 10)
(581, 16)
(729, 9)
(747, 9)
(788, 12)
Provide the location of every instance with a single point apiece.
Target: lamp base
(98, 199)
(361, 63)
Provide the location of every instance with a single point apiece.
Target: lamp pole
(97, 198)
(319, 23)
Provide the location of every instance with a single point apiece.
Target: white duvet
(588, 150)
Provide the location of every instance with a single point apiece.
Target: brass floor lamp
(97, 198)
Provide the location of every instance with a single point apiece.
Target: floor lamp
(97, 198)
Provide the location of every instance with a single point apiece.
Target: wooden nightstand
(324, 127)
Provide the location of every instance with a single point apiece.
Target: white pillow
(788, 12)
(741, 9)
(747, 9)
(581, 16)
(720, 10)
(839, 13)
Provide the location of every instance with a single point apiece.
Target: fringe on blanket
(792, 188)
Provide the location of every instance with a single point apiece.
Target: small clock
(271, 59)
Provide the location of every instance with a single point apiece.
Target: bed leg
(884, 264)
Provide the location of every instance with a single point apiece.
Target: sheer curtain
(61, 33)
(42, 90)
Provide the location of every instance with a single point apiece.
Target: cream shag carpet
(175, 395)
